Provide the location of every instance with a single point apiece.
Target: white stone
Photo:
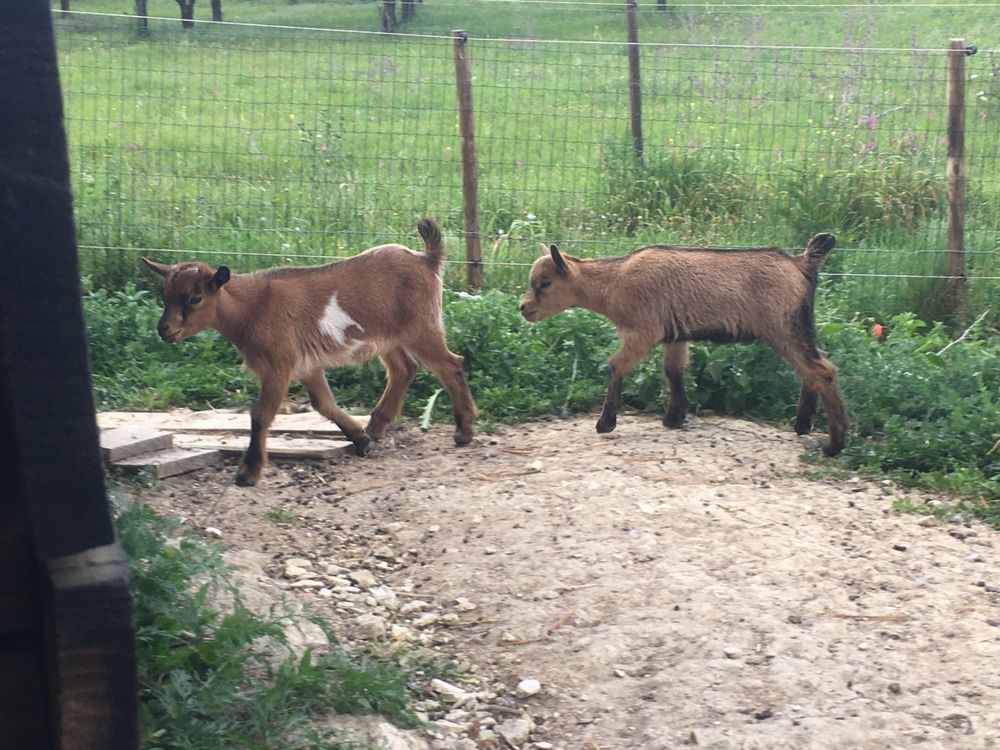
(464, 605)
(370, 627)
(294, 571)
(516, 731)
(414, 606)
(384, 597)
(363, 578)
(449, 692)
(528, 687)
(298, 562)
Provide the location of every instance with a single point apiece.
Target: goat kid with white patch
(294, 322)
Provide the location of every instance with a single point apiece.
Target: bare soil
(703, 587)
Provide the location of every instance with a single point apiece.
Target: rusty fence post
(470, 179)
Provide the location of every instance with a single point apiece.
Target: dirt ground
(692, 588)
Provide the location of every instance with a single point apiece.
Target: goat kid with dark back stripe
(674, 295)
(294, 322)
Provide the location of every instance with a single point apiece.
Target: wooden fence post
(634, 87)
(957, 52)
(470, 179)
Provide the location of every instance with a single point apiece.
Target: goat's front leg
(633, 348)
(321, 398)
(272, 392)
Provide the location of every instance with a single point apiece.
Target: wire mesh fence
(257, 146)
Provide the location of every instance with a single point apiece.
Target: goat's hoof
(605, 426)
(833, 447)
(463, 438)
(803, 426)
(362, 445)
(673, 421)
(246, 477)
(376, 428)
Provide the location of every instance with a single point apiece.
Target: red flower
(877, 330)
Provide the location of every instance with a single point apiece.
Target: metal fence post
(634, 87)
(470, 179)
(956, 174)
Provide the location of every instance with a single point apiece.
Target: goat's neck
(234, 311)
(595, 281)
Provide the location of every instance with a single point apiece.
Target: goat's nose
(522, 307)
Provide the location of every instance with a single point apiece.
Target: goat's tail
(817, 250)
(433, 244)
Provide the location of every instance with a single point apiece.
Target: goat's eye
(194, 300)
(544, 284)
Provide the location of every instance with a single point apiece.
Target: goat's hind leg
(321, 398)
(447, 367)
(819, 379)
(675, 362)
(400, 370)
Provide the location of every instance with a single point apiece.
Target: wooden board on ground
(219, 421)
(125, 442)
(170, 462)
(277, 447)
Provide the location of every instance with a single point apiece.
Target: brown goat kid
(673, 295)
(295, 322)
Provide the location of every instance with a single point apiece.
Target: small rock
(307, 583)
(449, 619)
(732, 652)
(414, 606)
(294, 571)
(449, 692)
(370, 627)
(384, 597)
(900, 547)
(516, 731)
(764, 713)
(464, 605)
(364, 578)
(528, 687)
(401, 633)
(424, 620)
(385, 553)
(298, 562)
(211, 530)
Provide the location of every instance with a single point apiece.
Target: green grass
(218, 676)
(257, 147)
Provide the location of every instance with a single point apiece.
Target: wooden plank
(220, 421)
(277, 447)
(170, 462)
(124, 442)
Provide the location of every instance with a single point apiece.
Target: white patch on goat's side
(336, 321)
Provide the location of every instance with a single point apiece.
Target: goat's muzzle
(166, 334)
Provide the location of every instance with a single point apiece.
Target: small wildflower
(877, 330)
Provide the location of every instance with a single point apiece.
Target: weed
(216, 675)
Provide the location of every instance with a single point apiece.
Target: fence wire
(257, 146)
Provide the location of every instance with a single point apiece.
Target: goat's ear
(544, 248)
(159, 269)
(220, 277)
(558, 260)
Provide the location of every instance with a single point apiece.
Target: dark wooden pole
(470, 179)
(143, 16)
(634, 86)
(956, 176)
(67, 641)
